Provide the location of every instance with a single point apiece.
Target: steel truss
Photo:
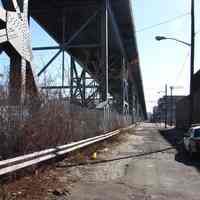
(97, 91)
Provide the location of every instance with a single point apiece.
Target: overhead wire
(182, 68)
(197, 33)
(162, 23)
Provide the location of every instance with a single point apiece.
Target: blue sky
(161, 62)
(165, 61)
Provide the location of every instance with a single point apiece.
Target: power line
(197, 33)
(182, 68)
(162, 23)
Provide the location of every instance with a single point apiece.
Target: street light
(192, 47)
(159, 38)
(165, 103)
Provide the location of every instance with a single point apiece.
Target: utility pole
(173, 101)
(192, 62)
(166, 106)
(171, 118)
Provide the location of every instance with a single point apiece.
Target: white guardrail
(14, 164)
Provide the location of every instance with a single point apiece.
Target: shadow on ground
(175, 138)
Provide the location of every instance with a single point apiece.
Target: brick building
(166, 109)
(182, 111)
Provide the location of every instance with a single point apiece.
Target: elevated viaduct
(100, 36)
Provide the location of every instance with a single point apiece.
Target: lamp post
(192, 46)
(171, 118)
(165, 107)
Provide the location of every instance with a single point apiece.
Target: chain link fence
(54, 122)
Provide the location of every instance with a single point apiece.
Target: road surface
(169, 175)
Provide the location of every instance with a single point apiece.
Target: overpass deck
(95, 33)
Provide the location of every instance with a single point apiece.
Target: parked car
(192, 140)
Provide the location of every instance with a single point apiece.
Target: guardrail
(21, 162)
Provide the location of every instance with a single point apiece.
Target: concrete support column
(15, 80)
(31, 91)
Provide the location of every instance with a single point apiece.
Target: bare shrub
(55, 122)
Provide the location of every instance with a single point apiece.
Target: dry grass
(55, 122)
(46, 179)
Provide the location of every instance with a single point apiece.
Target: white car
(192, 140)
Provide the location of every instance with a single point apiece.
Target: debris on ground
(47, 183)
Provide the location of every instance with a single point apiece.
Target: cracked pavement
(154, 177)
